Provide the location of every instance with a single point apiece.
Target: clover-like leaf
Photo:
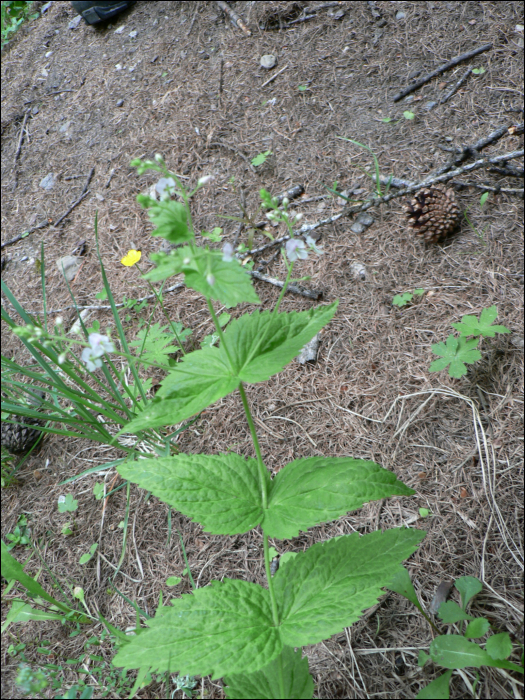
(471, 326)
(456, 352)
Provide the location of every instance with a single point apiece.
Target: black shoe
(101, 10)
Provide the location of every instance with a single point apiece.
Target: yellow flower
(131, 258)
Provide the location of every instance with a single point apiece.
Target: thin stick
(296, 289)
(441, 69)
(94, 307)
(234, 17)
(193, 18)
(21, 138)
(43, 224)
(456, 87)
(83, 194)
(76, 203)
(274, 76)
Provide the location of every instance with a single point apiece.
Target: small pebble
(120, 103)
(400, 15)
(268, 61)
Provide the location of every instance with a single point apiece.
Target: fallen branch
(294, 288)
(456, 87)
(441, 69)
(43, 224)
(234, 17)
(94, 307)
(473, 150)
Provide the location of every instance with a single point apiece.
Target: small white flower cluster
(165, 187)
(98, 345)
(295, 248)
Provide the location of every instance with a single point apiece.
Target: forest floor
(177, 78)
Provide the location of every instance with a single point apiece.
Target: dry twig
(456, 87)
(234, 17)
(438, 71)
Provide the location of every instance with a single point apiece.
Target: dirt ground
(181, 80)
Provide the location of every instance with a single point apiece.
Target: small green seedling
(479, 71)
(67, 504)
(214, 236)
(424, 512)
(405, 298)
(456, 353)
(89, 555)
(406, 114)
(20, 535)
(260, 158)
(377, 179)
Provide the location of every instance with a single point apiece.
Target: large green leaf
(221, 492)
(206, 272)
(259, 345)
(200, 379)
(264, 684)
(454, 651)
(313, 490)
(228, 627)
(326, 588)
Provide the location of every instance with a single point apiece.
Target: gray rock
(358, 271)
(69, 265)
(357, 227)
(120, 103)
(309, 351)
(430, 105)
(75, 22)
(366, 219)
(48, 182)
(400, 15)
(268, 61)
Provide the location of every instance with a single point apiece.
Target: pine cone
(433, 213)
(19, 437)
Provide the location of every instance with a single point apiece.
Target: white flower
(62, 357)
(204, 180)
(159, 158)
(186, 261)
(298, 217)
(165, 187)
(99, 344)
(59, 321)
(311, 243)
(227, 251)
(295, 248)
(285, 202)
(210, 279)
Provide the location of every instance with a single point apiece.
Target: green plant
(377, 179)
(232, 628)
(20, 535)
(13, 14)
(456, 353)
(260, 158)
(479, 234)
(77, 395)
(409, 116)
(455, 651)
(405, 298)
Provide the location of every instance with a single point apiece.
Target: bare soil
(192, 89)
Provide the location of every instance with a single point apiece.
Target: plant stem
(163, 310)
(219, 332)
